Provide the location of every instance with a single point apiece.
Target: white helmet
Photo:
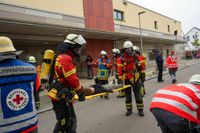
(128, 44)
(75, 39)
(103, 52)
(195, 79)
(115, 50)
(31, 59)
(135, 48)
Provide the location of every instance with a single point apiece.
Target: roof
(191, 30)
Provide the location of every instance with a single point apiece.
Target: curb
(166, 72)
(45, 110)
(150, 78)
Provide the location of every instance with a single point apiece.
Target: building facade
(38, 25)
(192, 36)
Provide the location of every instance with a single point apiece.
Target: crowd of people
(20, 84)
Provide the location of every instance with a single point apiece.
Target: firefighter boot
(129, 112)
(141, 113)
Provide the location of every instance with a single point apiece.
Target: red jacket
(142, 60)
(65, 70)
(181, 99)
(171, 61)
(116, 63)
(127, 67)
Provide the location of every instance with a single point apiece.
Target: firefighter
(19, 91)
(177, 107)
(142, 63)
(32, 60)
(171, 64)
(116, 58)
(65, 77)
(104, 65)
(129, 71)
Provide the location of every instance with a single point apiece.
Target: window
(118, 15)
(168, 28)
(176, 32)
(195, 36)
(188, 38)
(155, 25)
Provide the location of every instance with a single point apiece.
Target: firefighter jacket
(182, 99)
(104, 66)
(115, 62)
(18, 85)
(142, 63)
(171, 61)
(65, 72)
(129, 67)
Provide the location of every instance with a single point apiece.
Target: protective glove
(64, 93)
(81, 96)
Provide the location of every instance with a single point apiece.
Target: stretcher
(102, 94)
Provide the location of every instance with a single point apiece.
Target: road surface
(108, 116)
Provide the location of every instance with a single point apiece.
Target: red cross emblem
(18, 99)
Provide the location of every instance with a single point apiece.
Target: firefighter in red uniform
(142, 63)
(116, 59)
(65, 77)
(129, 71)
(171, 64)
(177, 107)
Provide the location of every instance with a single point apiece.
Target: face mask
(129, 51)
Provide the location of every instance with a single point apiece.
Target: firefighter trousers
(138, 97)
(66, 117)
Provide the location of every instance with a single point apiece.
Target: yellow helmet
(6, 45)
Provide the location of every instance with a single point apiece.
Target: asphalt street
(108, 116)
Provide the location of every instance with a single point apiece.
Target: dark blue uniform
(159, 62)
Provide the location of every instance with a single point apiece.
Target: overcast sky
(185, 11)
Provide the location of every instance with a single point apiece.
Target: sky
(185, 11)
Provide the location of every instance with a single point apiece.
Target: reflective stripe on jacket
(65, 71)
(127, 67)
(171, 61)
(181, 99)
(17, 102)
(104, 66)
(142, 60)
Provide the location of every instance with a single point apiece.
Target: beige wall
(147, 19)
(69, 7)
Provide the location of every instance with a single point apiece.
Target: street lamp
(141, 44)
